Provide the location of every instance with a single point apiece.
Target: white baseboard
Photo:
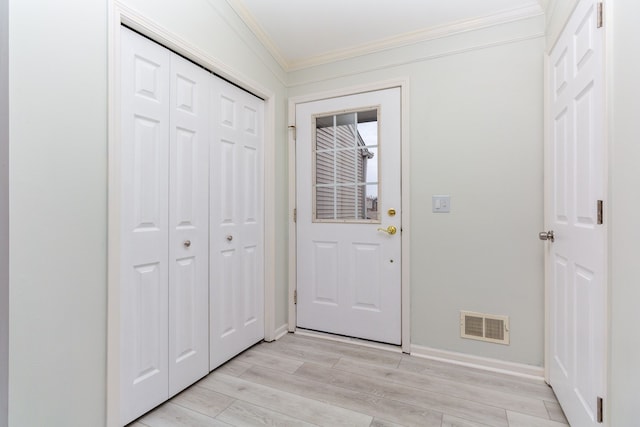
(281, 331)
(485, 363)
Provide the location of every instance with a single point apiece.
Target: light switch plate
(441, 204)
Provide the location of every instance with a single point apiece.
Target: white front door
(237, 222)
(576, 257)
(348, 215)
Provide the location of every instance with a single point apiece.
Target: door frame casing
(403, 84)
(118, 15)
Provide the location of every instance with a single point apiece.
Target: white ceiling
(302, 33)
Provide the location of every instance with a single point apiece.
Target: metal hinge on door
(600, 410)
(293, 128)
(295, 215)
(600, 218)
(295, 297)
(600, 22)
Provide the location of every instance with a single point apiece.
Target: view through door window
(345, 172)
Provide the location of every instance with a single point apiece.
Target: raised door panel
(144, 239)
(189, 224)
(237, 222)
(366, 276)
(326, 278)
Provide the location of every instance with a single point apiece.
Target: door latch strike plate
(295, 297)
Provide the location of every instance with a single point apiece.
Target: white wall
(58, 189)
(58, 87)
(624, 140)
(4, 211)
(476, 129)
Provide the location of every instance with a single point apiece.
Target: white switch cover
(441, 204)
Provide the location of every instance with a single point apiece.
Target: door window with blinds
(345, 166)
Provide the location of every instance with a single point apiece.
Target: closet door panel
(144, 214)
(236, 239)
(189, 224)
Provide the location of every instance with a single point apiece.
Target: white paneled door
(576, 256)
(237, 227)
(188, 224)
(348, 215)
(146, 97)
(192, 223)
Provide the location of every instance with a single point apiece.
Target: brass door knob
(389, 230)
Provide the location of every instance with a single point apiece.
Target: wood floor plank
(345, 350)
(467, 409)
(498, 381)
(256, 357)
(522, 420)
(473, 393)
(555, 412)
(233, 367)
(379, 407)
(294, 405)
(172, 415)
(451, 421)
(245, 414)
(378, 422)
(203, 400)
(298, 351)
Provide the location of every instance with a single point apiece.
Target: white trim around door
(403, 84)
(121, 15)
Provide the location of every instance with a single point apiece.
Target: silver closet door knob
(187, 243)
(229, 237)
(546, 235)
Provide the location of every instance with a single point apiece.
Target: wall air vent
(484, 327)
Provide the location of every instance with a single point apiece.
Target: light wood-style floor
(303, 381)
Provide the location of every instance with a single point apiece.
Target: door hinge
(293, 129)
(600, 22)
(600, 410)
(295, 215)
(295, 297)
(600, 214)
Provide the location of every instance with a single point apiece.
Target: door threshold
(348, 340)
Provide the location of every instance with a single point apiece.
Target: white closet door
(189, 224)
(237, 225)
(144, 239)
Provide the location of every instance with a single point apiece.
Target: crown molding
(414, 37)
(416, 59)
(419, 36)
(260, 34)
